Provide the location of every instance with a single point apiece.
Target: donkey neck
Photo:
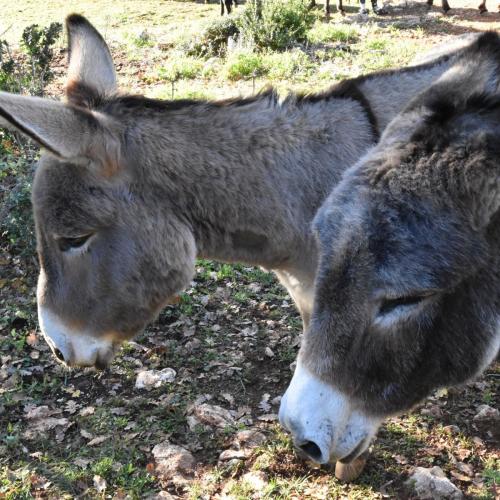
(248, 175)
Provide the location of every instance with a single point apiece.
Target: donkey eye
(390, 305)
(66, 244)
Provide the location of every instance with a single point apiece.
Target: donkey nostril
(312, 450)
(58, 354)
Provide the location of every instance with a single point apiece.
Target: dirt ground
(234, 335)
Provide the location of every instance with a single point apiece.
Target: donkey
(229, 6)
(407, 296)
(128, 192)
(446, 6)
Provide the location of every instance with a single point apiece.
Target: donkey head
(110, 257)
(408, 288)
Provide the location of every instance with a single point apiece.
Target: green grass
(323, 33)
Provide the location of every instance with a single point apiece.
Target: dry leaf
(86, 434)
(89, 410)
(97, 440)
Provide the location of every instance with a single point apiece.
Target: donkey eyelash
(389, 305)
(78, 243)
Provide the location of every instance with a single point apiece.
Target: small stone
(149, 379)
(257, 480)
(173, 460)
(213, 415)
(99, 484)
(249, 439)
(465, 468)
(432, 484)
(433, 411)
(233, 454)
(268, 352)
(487, 419)
(451, 429)
(486, 412)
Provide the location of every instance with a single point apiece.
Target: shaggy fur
(408, 289)
(134, 189)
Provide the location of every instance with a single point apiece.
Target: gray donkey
(130, 190)
(408, 288)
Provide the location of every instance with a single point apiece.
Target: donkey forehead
(67, 193)
(404, 238)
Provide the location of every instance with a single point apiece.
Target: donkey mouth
(359, 450)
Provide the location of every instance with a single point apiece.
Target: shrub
(29, 75)
(213, 40)
(275, 24)
(16, 224)
(38, 44)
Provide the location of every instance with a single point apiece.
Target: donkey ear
(66, 131)
(90, 63)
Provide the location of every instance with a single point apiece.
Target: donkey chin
(324, 425)
(73, 347)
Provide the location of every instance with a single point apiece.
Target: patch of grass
(142, 40)
(285, 65)
(322, 33)
(181, 67)
(244, 64)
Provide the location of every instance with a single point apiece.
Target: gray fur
(156, 183)
(407, 297)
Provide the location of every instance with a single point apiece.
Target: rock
(487, 419)
(268, 352)
(432, 410)
(451, 429)
(148, 379)
(486, 412)
(173, 462)
(99, 484)
(213, 415)
(432, 484)
(249, 439)
(257, 480)
(233, 454)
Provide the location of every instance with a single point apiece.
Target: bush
(27, 74)
(275, 24)
(16, 222)
(38, 44)
(213, 40)
(244, 65)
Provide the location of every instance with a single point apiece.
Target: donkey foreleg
(301, 289)
(482, 7)
(445, 6)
